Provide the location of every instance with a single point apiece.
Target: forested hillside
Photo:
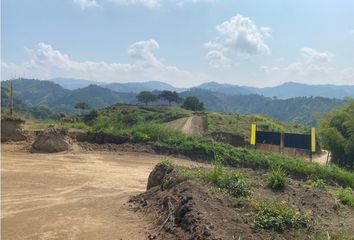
(303, 110)
(294, 110)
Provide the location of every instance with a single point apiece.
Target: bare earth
(75, 195)
(191, 125)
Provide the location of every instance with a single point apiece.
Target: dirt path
(77, 195)
(321, 158)
(192, 125)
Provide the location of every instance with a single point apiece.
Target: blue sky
(181, 42)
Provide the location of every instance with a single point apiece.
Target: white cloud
(46, 62)
(313, 56)
(143, 53)
(84, 4)
(240, 36)
(313, 67)
(217, 59)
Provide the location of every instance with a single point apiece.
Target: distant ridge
(283, 91)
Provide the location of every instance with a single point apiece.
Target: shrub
(346, 196)
(319, 183)
(278, 215)
(277, 178)
(140, 137)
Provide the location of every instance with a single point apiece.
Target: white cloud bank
(46, 62)
(84, 4)
(314, 67)
(239, 36)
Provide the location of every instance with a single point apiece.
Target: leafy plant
(278, 215)
(278, 178)
(232, 181)
(346, 196)
(319, 183)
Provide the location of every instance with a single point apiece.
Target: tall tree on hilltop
(146, 97)
(170, 97)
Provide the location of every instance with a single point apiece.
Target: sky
(180, 42)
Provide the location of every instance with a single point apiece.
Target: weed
(346, 196)
(319, 183)
(278, 215)
(232, 181)
(277, 178)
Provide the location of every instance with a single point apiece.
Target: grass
(277, 178)
(235, 183)
(279, 216)
(241, 124)
(319, 183)
(144, 124)
(346, 196)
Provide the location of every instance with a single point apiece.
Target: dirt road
(192, 125)
(77, 195)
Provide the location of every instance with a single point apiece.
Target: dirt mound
(232, 139)
(188, 210)
(193, 209)
(157, 175)
(11, 130)
(52, 140)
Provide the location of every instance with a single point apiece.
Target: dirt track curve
(74, 195)
(192, 125)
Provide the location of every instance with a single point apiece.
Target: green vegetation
(146, 97)
(170, 97)
(277, 178)
(193, 103)
(233, 181)
(279, 216)
(319, 183)
(337, 135)
(143, 124)
(299, 110)
(241, 124)
(346, 196)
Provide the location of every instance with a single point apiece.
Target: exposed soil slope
(196, 124)
(193, 209)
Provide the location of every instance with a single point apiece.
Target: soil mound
(11, 130)
(52, 140)
(194, 209)
(188, 210)
(232, 139)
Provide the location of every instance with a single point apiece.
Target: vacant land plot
(76, 195)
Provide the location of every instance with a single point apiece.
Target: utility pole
(11, 98)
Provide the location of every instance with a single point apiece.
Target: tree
(193, 103)
(146, 97)
(170, 97)
(82, 106)
(337, 135)
(90, 117)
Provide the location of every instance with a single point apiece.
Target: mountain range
(304, 110)
(283, 91)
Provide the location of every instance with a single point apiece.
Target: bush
(277, 178)
(319, 183)
(278, 215)
(346, 196)
(90, 117)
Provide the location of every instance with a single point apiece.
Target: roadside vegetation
(337, 135)
(144, 124)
